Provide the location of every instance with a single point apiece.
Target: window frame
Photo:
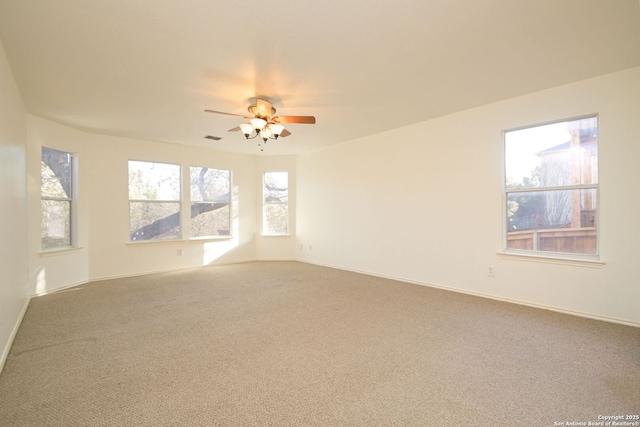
(266, 203)
(179, 202)
(571, 258)
(72, 201)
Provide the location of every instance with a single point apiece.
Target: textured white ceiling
(148, 68)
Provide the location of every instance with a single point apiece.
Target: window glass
(551, 182)
(275, 219)
(210, 202)
(56, 173)
(154, 201)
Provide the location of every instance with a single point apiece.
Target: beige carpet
(292, 344)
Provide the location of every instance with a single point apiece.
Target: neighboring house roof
(561, 147)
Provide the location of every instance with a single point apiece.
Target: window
(551, 182)
(154, 201)
(56, 193)
(210, 202)
(275, 206)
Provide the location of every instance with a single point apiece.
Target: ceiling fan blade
(285, 133)
(308, 120)
(222, 112)
(235, 129)
(264, 107)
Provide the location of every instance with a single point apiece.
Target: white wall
(424, 203)
(104, 205)
(14, 290)
(57, 269)
(112, 256)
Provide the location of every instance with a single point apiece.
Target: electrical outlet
(491, 272)
(301, 246)
(179, 252)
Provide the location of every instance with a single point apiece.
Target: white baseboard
(168, 270)
(7, 347)
(9, 343)
(493, 297)
(143, 273)
(61, 288)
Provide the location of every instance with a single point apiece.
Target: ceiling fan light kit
(264, 123)
(258, 123)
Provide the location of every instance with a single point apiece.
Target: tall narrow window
(154, 201)
(551, 182)
(210, 202)
(275, 212)
(56, 190)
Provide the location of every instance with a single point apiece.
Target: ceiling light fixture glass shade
(276, 129)
(266, 133)
(246, 129)
(258, 123)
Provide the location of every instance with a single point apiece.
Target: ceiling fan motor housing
(259, 111)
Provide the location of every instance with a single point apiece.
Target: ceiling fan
(263, 121)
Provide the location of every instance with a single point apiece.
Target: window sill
(210, 238)
(191, 240)
(551, 259)
(59, 251)
(275, 235)
(153, 242)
